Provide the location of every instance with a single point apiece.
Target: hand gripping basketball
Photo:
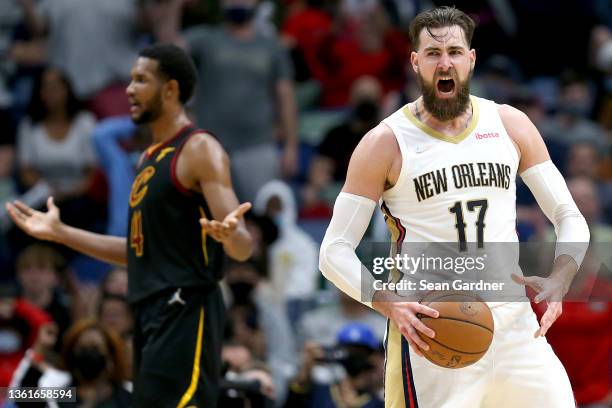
(404, 315)
(464, 328)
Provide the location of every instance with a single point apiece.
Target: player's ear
(171, 89)
(473, 57)
(414, 61)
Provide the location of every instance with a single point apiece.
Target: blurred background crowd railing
(289, 93)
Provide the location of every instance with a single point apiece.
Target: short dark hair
(174, 63)
(441, 17)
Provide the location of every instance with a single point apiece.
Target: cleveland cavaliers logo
(139, 188)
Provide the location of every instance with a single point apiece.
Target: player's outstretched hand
(404, 314)
(549, 289)
(41, 225)
(223, 230)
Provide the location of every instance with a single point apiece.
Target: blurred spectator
(7, 156)
(261, 323)
(39, 272)
(294, 255)
(572, 122)
(93, 358)
(364, 113)
(324, 323)
(601, 43)
(334, 152)
(8, 188)
(304, 29)
(245, 383)
(94, 41)
(20, 322)
(11, 15)
(54, 145)
(367, 45)
(115, 282)
(584, 160)
(584, 192)
(499, 79)
(119, 144)
(114, 313)
(264, 233)
(358, 385)
(244, 95)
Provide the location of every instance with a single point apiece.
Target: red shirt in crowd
(344, 61)
(308, 28)
(17, 334)
(582, 339)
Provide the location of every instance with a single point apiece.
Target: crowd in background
(289, 87)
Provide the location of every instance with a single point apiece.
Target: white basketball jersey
(453, 188)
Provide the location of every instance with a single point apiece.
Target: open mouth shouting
(445, 86)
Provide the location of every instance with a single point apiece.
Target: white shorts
(516, 371)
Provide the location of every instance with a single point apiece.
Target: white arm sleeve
(337, 259)
(549, 189)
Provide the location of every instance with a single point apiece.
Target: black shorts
(177, 349)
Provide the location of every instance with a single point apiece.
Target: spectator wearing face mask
(294, 270)
(20, 322)
(330, 164)
(92, 361)
(262, 324)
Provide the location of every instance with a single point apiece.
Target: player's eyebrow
(436, 48)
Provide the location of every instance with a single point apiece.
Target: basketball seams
(460, 320)
(458, 351)
(453, 349)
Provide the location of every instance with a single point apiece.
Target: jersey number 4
(136, 237)
(457, 209)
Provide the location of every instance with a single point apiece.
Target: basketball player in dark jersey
(174, 244)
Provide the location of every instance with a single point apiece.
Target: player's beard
(446, 109)
(151, 111)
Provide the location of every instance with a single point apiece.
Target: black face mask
(366, 111)
(241, 291)
(239, 15)
(89, 363)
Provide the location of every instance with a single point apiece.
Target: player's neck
(168, 125)
(456, 124)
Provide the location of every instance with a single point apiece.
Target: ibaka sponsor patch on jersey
(489, 135)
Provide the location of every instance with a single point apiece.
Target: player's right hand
(222, 231)
(404, 315)
(41, 225)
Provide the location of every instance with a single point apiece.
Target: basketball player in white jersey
(484, 146)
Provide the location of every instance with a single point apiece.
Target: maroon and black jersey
(167, 247)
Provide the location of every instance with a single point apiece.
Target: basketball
(464, 329)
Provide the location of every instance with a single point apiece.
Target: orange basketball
(464, 329)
